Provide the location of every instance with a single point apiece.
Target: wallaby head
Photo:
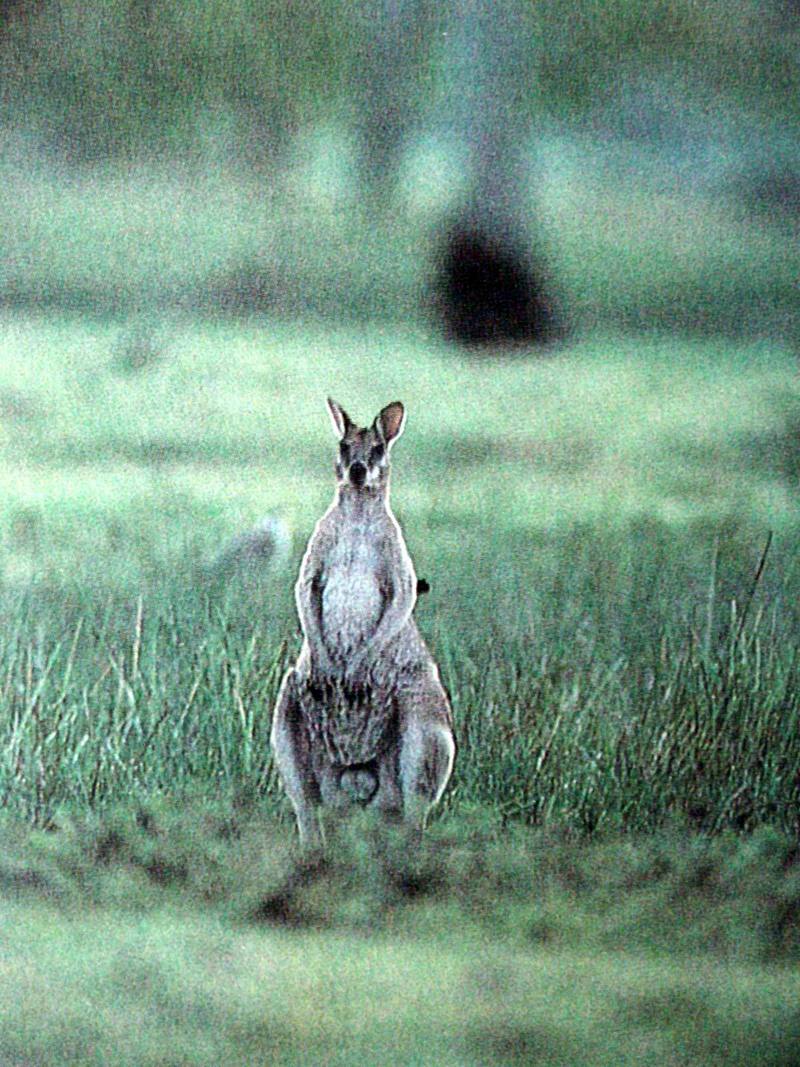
(363, 459)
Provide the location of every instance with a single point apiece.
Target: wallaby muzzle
(358, 473)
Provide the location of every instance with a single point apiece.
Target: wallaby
(362, 717)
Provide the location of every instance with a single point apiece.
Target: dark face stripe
(362, 446)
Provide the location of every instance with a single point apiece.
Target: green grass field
(611, 537)
(178, 937)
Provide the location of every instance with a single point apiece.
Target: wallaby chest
(353, 584)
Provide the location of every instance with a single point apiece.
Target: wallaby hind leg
(427, 749)
(290, 748)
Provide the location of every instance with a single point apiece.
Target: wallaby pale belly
(352, 601)
(349, 721)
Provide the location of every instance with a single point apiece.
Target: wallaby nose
(358, 473)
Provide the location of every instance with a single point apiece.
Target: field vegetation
(610, 535)
(191, 259)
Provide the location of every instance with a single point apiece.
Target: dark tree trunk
(491, 286)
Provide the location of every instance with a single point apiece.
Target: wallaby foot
(290, 749)
(427, 751)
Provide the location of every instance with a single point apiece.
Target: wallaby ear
(339, 417)
(391, 421)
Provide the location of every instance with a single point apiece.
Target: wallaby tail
(359, 782)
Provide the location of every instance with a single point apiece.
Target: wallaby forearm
(396, 614)
(309, 609)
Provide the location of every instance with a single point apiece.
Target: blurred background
(337, 157)
(212, 213)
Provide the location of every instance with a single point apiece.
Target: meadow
(610, 536)
(190, 261)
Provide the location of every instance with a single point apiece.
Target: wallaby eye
(376, 454)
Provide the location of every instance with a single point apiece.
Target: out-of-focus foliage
(132, 75)
(226, 138)
(744, 49)
(128, 75)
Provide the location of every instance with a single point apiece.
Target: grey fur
(362, 716)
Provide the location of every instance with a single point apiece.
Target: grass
(627, 660)
(587, 716)
(182, 991)
(610, 535)
(227, 424)
(197, 938)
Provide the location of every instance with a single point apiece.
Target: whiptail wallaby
(362, 717)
